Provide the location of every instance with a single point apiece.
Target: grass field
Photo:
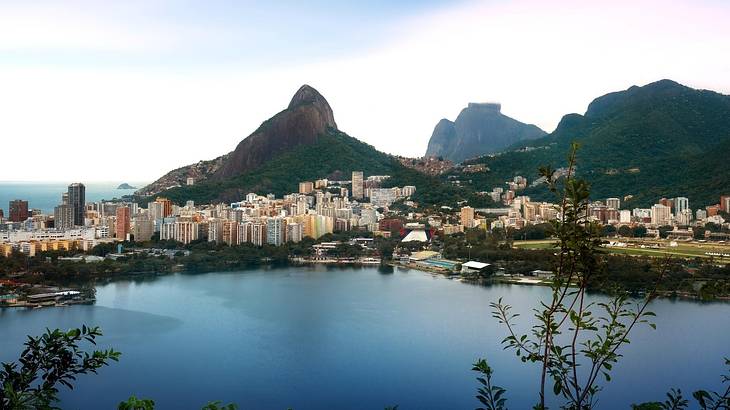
(684, 250)
(542, 244)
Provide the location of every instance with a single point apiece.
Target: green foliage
(335, 154)
(134, 403)
(574, 342)
(628, 139)
(492, 397)
(217, 405)
(52, 359)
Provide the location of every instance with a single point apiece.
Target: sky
(126, 91)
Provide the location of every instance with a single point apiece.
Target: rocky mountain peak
(308, 95)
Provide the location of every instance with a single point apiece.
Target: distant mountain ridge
(479, 129)
(663, 139)
(659, 140)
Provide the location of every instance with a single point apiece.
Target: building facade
(77, 202)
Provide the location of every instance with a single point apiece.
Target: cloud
(136, 121)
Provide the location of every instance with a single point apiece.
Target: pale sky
(125, 91)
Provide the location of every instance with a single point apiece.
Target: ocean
(46, 195)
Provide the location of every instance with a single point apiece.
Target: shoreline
(433, 271)
(527, 281)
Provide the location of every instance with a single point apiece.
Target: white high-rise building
(661, 214)
(681, 204)
(275, 231)
(684, 217)
(614, 203)
(624, 216)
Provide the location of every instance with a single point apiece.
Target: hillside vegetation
(334, 153)
(659, 140)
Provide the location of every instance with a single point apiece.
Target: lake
(344, 338)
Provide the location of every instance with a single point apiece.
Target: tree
(609, 230)
(705, 400)
(134, 403)
(625, 231)
(52, 359)
(640, 231)
(571, 342)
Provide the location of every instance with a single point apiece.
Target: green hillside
(333, 152)
(659, 140)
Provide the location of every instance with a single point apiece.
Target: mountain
(478, 130)
(302, 122)
(306, 118)
(300, 143)
(659, 140)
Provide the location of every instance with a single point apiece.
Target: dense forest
(659, 140)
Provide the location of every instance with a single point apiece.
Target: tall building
(725, 203)
(684, 217)
(122, 223)
(230, 232)
(63, 217)
(258, 233)
(294, 232)
(382, 197)
(77, 202)
(186, 231)
(306, 187)
(63, 214)
(467, 217)
(681, 204)
(143, 228)
(661, 214)
(165, 206)
(614, 203)
(357, 185)
(18, 210)
(275, 231)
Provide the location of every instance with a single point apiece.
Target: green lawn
(684, 250)
(541, 244)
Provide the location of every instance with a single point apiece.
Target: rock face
(307, 116)
(479, 129)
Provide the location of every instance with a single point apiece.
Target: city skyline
(100, 74)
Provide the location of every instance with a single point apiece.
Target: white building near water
(79, 234)
(473, 267)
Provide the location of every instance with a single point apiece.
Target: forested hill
(660, 140)
(300, 143)
(333, 155)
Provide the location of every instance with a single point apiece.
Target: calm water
(46, 195)
(315, 338)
